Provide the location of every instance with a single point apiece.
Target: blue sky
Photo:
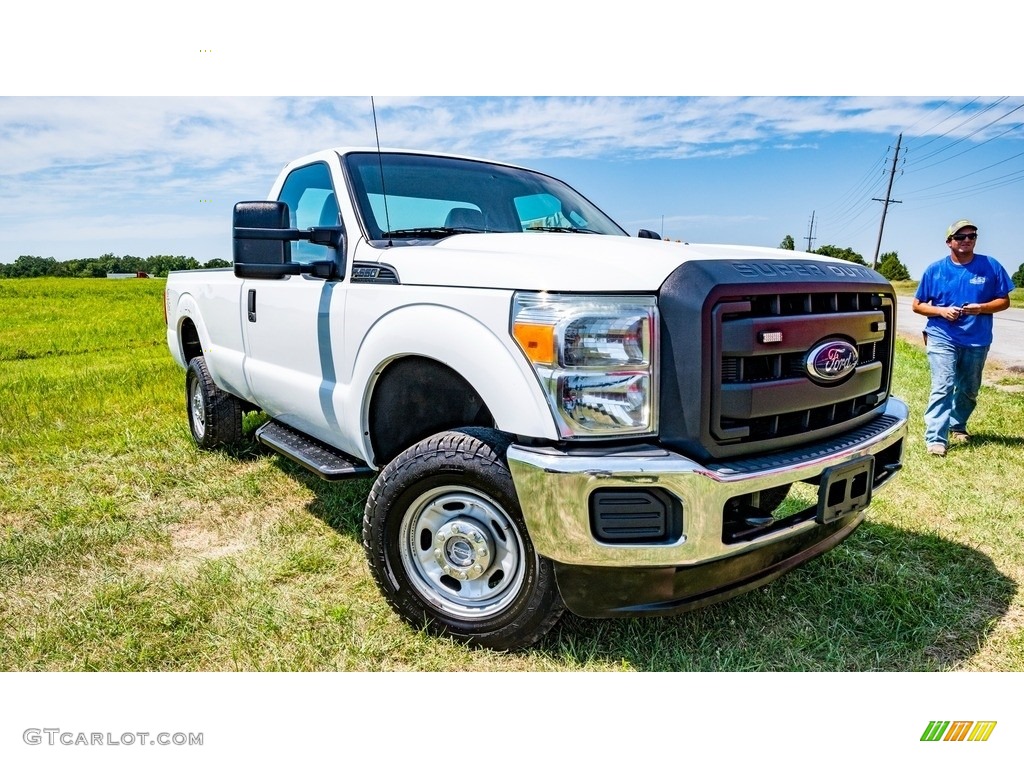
(121, 135)
(81, 176)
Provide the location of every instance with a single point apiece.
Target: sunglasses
(969, 236)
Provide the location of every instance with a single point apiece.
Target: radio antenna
(380, 163)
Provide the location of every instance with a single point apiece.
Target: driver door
(291, 325)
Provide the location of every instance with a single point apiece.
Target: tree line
(889, 265)
(156, 266)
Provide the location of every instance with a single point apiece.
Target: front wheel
(448, 547)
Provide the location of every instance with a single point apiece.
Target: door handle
(252, 305)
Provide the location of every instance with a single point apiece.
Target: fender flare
(493, 365)
(186, 308)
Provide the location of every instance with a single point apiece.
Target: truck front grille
(738, 356)
(763, 394)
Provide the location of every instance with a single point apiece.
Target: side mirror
(648, 235)
(263, 239)
(260, 251)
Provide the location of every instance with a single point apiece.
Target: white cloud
(141, 164)
(198, 134)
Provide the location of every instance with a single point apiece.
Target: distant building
(125, 275)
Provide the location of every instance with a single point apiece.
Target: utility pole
(810, 233)
(885, 206)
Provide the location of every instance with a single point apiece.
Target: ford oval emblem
(831, 361)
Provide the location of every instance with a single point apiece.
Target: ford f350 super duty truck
(558, 414)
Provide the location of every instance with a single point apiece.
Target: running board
(319, 458)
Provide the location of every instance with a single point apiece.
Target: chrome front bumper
(555, 486)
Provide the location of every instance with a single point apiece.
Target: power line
(851, 212)
(982, 186)
(979, 170)
(864, 208)
(859, 198)
(968, 136)
(976, 146)
(855, 192)
(936, 138)
(933, 109)
(941, 191)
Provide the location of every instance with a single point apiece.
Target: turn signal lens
(537, 341)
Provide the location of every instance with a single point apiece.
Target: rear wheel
(214, 416)
(447, 545)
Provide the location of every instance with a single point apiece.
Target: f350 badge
(831, 361)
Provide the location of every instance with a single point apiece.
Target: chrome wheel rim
(462, 552)
(198, 410)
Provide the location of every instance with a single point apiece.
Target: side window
(311, 203)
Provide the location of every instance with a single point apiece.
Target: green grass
(122, 547)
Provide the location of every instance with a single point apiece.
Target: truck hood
(559, 261)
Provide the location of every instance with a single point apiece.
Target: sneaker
(959, 437)
(936, 449)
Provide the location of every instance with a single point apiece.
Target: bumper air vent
(629, 516)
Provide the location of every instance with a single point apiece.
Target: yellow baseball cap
(958, 225)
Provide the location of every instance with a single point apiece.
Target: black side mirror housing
(648, 234)
(259, 250)
(262, 241)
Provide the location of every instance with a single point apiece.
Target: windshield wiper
(430, 232)
(563, 229)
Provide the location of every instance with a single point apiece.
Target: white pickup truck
(558, 414)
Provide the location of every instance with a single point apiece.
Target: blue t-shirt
(947, 284)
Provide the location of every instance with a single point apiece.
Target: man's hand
(952, 313)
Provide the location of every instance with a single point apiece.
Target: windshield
(433, 197)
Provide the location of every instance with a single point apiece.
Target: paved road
(1007, 344)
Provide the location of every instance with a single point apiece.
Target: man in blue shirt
(958, 294)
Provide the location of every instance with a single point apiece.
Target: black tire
(447, 545)
(214, 416)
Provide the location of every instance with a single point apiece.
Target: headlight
(595, 357)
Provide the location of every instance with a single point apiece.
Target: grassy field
(122, 547)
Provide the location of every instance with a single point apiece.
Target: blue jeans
(956, 379)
